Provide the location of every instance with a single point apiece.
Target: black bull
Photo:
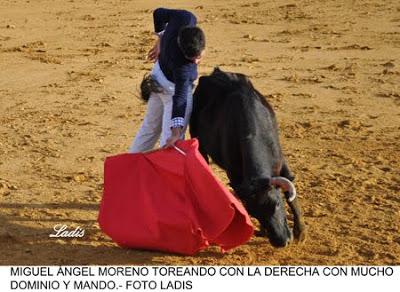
(237, 128)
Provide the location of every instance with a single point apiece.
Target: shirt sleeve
(178, 123)
(183, 86)
(162, 16)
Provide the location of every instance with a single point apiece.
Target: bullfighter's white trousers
(157, 121)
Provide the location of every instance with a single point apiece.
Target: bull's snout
(281, 242)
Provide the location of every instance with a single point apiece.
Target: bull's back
(239, 133)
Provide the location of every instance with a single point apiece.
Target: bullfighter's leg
(167, 100)
(150, 130)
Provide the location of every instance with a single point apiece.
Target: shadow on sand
(25, 241)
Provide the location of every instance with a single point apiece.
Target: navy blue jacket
(173, 64)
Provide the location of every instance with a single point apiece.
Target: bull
(237, 128)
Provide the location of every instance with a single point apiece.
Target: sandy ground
(69, 78)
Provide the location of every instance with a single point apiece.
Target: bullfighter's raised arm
(163, 16)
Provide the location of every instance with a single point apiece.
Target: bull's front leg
(299, 227)
(203, 153)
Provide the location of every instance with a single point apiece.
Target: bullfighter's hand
(175, 136)
(154, 52)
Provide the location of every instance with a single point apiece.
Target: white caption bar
(198, 278)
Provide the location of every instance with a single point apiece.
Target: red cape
(164, 200)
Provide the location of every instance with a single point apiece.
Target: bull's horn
(286, 185)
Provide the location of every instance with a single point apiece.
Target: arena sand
(69, 78)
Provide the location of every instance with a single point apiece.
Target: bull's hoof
(299, 232)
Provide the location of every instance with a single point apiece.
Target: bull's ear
(216, 69)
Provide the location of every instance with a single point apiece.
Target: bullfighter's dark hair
(191, 40)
